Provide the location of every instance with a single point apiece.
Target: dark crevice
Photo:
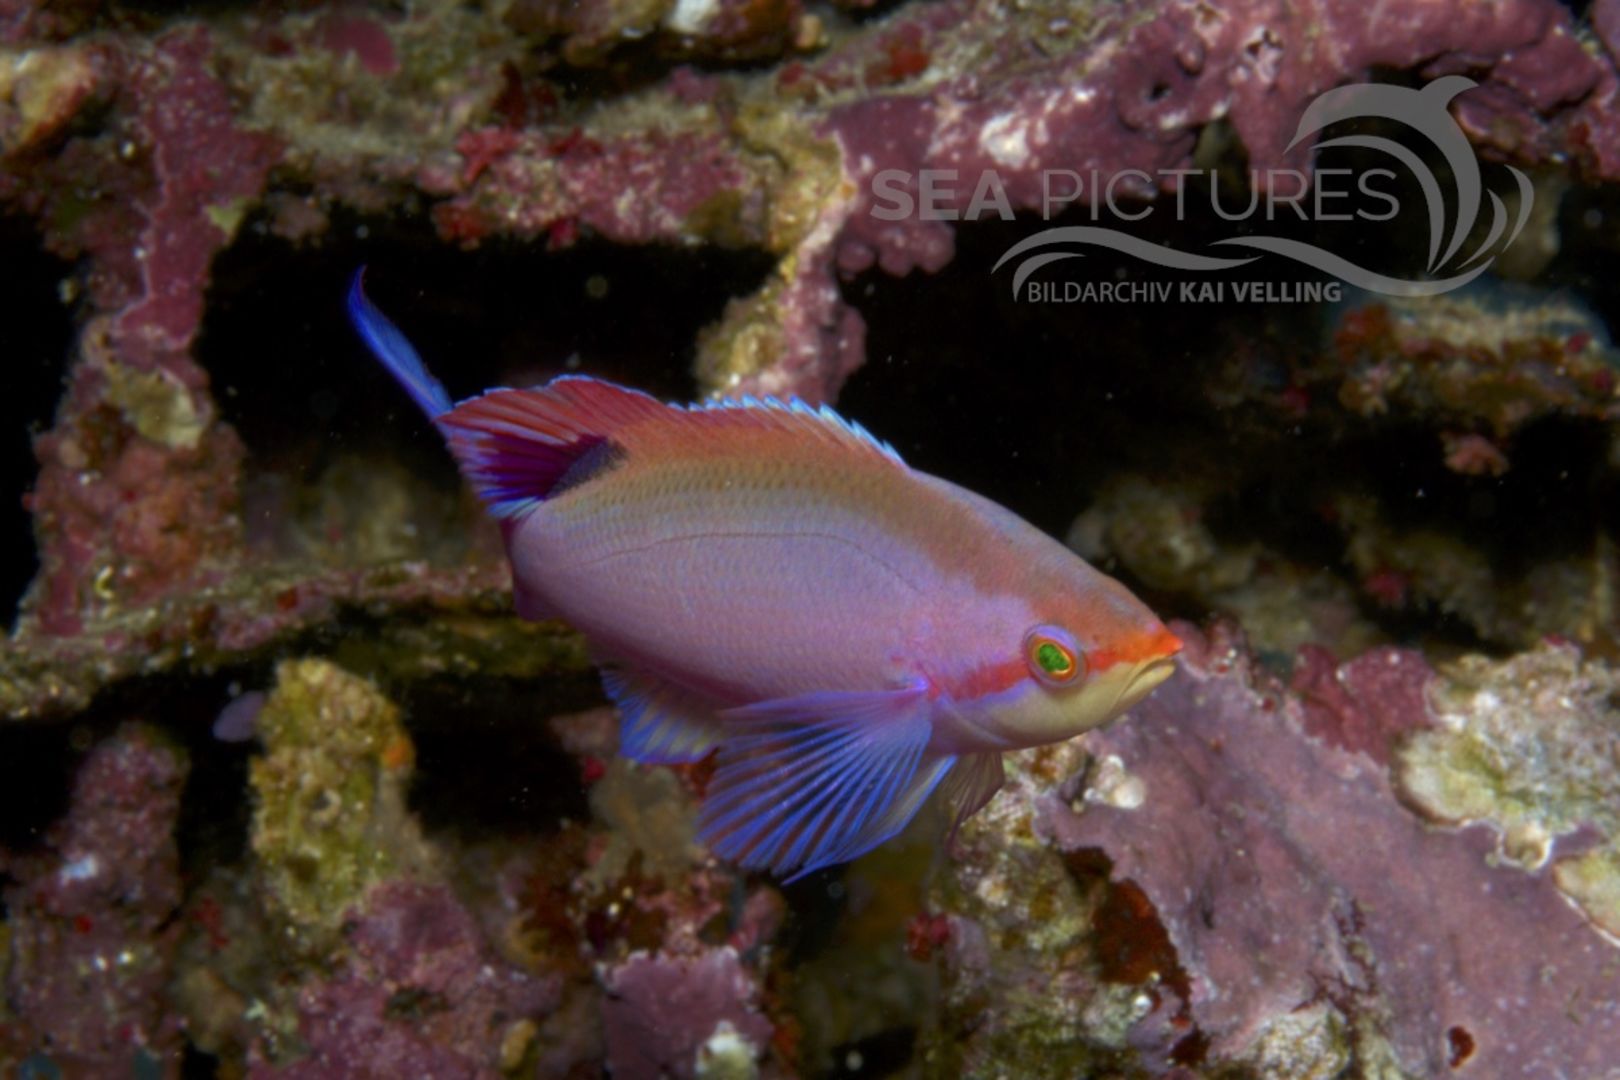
(294, 379)
(36, 765)
(38, 336)
(816, 905)
(1039, 405)
(885, 1053)
(486, 764)
(216, 807)
(334, 445)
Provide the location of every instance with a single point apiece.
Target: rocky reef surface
(286, 788)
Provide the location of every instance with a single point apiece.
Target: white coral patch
(1111, 784)
(1006, 138)
(81, 869)
(690, 16)
(727, 1055)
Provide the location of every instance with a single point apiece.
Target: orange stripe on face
(988, 679)
(1152, 645)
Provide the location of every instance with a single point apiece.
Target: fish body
(766, 582)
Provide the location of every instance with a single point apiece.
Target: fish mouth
(1144, 681)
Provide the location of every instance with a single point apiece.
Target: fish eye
(1052, 656)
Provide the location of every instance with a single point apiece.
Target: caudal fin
(516, 447)
(390, 346)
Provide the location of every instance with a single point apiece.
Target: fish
(766, 582)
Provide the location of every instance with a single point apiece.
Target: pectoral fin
(972, 783)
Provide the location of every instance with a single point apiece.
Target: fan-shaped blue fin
(815, 780)
(660, 724)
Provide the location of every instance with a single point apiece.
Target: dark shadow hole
(38, 337)
(216, 808)
(486, 764)
(1038, 405)
(301, 389)
(885, 1053)
(36, 769)
(816, 905)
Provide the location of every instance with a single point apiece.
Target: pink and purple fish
(765, 581)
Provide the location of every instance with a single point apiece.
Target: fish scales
(812, 571)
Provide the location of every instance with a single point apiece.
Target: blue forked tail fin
(517, 448)
(390, 346)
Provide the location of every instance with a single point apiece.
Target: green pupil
(1051, 658)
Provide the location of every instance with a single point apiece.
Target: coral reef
(349, 940)
(416, 991)
(1485, 358)
(90, 931)
(1237, 924)
(1159, 532)
(1346, 842)
(143, 154)
(683, 1017)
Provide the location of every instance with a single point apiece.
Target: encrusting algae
(330, 820)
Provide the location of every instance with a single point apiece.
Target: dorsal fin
(793, 415)
(520, 447)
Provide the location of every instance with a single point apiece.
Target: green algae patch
(648, 813)
(1530, 745)
(1593, 881)
(157, 405)
(330, 819)
(1024, 974)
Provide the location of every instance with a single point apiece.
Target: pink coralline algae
(416, 994)
(690, 183)
(1364, 705)
(91, 919)
(1288, 875)
(138, 422)
(969, 88)
(365, 39)
(668, 1015)
(205, 171)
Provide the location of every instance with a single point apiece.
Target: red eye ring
(1052, 656)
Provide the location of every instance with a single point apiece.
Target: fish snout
(1146, 678)
(1163, 644)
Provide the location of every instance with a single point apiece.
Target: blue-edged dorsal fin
(660, 724)
(810, 781)
(972, 782)
(795, 415)
(520, 447)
